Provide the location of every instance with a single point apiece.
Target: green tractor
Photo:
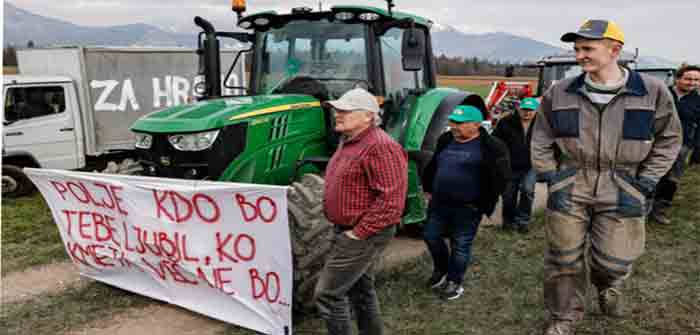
(280, 133)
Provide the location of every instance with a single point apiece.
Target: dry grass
(9, 70)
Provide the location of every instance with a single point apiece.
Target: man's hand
(351, 235)
(427, 196)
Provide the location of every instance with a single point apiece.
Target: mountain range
(21, 26)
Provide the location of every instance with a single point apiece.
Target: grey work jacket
(612, 157)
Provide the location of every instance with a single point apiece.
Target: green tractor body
(280, 133)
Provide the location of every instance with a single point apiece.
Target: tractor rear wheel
(311, 237)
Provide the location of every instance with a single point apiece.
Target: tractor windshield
(329, 58)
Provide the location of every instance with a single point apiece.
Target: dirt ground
(39, 280)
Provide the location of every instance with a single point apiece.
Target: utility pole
(320, 6)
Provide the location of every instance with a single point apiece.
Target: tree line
(473, 66)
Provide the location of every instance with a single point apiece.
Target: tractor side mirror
(413, 49)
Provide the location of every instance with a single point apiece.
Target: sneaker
(559, 327)
(452, 291)
(437, 281)
(611, 302)
(659, 216)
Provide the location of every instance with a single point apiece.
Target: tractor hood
(217, 113)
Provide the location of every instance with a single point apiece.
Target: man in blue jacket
(464, 179)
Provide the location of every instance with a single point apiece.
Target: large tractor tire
(311, 237)
(15, 183)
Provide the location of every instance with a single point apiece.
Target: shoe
(659, 215)
(437, 281)
(452, 291)
(611, 302)
(559, 327)
(523, 229)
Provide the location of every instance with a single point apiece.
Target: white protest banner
(220, 249)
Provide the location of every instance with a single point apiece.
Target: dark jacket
(688, 108)
(510, 131)
(495, 169)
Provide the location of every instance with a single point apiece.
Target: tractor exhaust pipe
(209, 61)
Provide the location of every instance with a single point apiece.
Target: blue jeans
(518, 212)
(462, 223)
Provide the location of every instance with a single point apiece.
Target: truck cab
(41, 113)
(41, 128)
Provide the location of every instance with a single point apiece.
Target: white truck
(71, 107)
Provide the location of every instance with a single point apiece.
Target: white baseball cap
(356, 99)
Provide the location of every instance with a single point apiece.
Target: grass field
(9, 70)
(478, 87)
(504, 294)
(29, 235)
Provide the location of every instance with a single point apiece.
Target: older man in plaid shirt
(365, 193)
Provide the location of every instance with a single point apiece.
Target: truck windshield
(328, 57)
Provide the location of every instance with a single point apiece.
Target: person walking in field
(602, 141)
(364, 197)
(687, 100)
(463, 180)
(515, 130)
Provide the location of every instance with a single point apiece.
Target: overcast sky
(660, 28)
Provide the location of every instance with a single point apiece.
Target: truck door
(38, 121)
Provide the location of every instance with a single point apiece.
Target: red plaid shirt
(366, 183)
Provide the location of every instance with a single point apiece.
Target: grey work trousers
(349, 275)
(616, 242)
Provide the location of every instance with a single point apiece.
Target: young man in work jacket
(515, 130)
(463, 180)
(617, 133)
(364, 196)
(687, 100)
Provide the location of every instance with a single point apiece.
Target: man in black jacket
(687, 100)
(463, 180)
(515, 131)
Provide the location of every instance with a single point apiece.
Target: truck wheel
(311, 235)
(15, 183)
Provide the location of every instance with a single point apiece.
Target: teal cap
(464, 113)
(529, 103)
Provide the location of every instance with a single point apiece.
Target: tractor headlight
(193, 142)
(369, 16)
(261, 21)
(143, 141)
(344, 16)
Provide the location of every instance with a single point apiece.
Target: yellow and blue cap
(596, 30)
(465, 113)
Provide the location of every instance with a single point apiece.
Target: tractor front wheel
(311, 237)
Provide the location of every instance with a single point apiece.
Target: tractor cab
(326, 53)
(557, 67)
